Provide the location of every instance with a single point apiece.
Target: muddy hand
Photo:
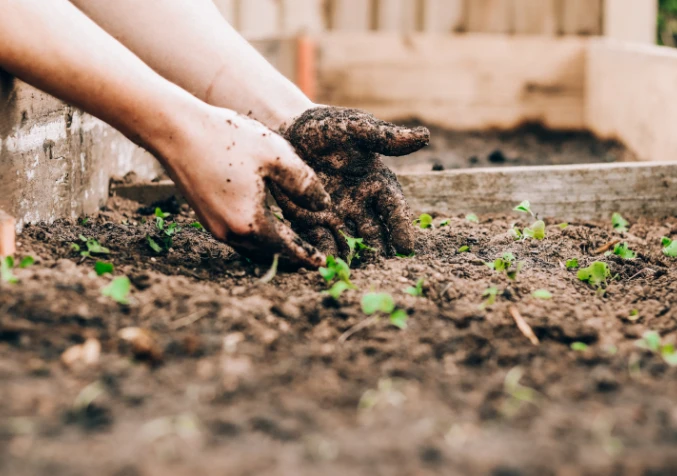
(343, 147)
(222, 169)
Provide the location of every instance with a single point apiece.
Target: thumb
(388, 139)
(297, 180)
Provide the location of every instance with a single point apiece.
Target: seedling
(101, 268)
(572, 263)
(118, 290)
(619, 223)
(464, 249)
(472, 218)
(160, 214)
(490, 294)
(518, 394)
(622, 250)
(197, 225)
(416, 291)
(669, 247)
(579, 346)
(505, 264)
(337, 269)
(373, 303)
(7, 265)
(634, 315)
(563, 226)
(355, 246)
(535, 231)
(445, 222)
(338, 288)
(543, 294)
(424, 221)
(596, 274)
(84, 221)
(168, 232)
(524, 207)
(515, 233)
(401, 256)
(651, 341)
(93, 247)
(270, 275)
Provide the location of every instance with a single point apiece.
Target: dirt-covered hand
(343, 147)
(222, 166)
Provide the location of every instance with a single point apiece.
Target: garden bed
(244, 377)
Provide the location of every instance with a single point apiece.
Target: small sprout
(596, 274)
(634, 315)
(515, 233)
(84, 221)
(26, 262)
(579, 346)
(355, 246)
(336, 268)
(272, 272)
(373, 303)
(416, 291)
(472, 218)
(518, 393)
(118, 290)
(651, 341)
(153, 244)
(536, 231)
(424, 221)
(619, 223)
(490, 294)
(464, 249)
(338, 288)
(6, 274)
(75, 247)
(399, 318)
(401, 256)
(445, 222)
(101, 268)
(622, 250)
(93, 247)
(502, 263)
(563, 226)
(524, 207)
(543, 294)
(572, 263)
(160, 214)
(197, 225)
(169, 231)
(669, 247)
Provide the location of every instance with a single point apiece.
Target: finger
(393, 208)
(371, 230)
(297, 180)
(296, 250)
(388, 139)
(323, 239)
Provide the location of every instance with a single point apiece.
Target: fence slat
(302, 16)
(443, 16)
(259, 18)
(535, 17)
(350, 15)
(398, 15)
(489, 16)
(582, 17)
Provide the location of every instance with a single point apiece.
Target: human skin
(203, 54)
(220, 160)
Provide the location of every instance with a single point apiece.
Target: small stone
(144, 345)
(82, 355)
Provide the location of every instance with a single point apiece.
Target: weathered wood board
(639, 25)
(566, 192)
(469, 81)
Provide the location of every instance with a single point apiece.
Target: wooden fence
(267, 18)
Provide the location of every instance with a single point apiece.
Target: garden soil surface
(229, 375)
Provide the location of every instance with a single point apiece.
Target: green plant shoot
(416, 291)
(272, 271)
(619, 223)
(543, 294)
(524, 207)
(445, 222)
(197, 225)
(355, 246)
(622, 250)
(101, 268)
(579, 346)
(6, 274)
(424, 221)
(490, 294)
(572, 263)
(651, 341)
(472, 218)
(669, 247)
(118, 290)
(373, 303)
(464, 249)
(596, 274)
(536, 231)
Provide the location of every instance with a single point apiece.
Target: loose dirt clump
(252, 377)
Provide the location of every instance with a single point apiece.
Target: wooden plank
(456, 81)
(535, 17)
(259, 18)
(398, 15)
(631, 96)
(582, 17)
(302, 17)
(489, 16)
(631, 20)
(227, 9)
(567, 192)
(444, 16)
(350, 15)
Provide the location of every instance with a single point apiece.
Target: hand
(343, 147)
(222, 162)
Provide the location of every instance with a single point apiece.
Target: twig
(523, 326)
(187, 320)
(607, 247)
(357, 328)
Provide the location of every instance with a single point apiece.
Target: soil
(530, 144)
(241, 377)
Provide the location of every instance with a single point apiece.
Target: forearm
(55, 47)
(191, 44)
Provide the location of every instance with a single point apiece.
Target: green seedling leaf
(634, 315)
(75, 247)
(503, 263)
(401, 256)
(83, 238)
(197, 225)
(515, 233)
(153, 244)
(572, 263)
(563, 226)
(472, 218)
(377, 302)
(172, 229)
(416, 291)
(95, 247)
(579, 346)
(464, 249)
(445, 222)
(542, 294)
(272, 272)
(669, 247)
(84, 221)
(26, 262)
(118, 290)
(6, 274)
(338, 288)
(101, 268)
(596, 274)
(651, 340)
(490, 295)
(536, 231)
(670, 357)
(355, 246)
(160, 214)
(336, 268)
(619, 223)
(622, 250)
(424, 221)
(524, 207)
(399, 318)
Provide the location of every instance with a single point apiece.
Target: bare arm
(191, 44)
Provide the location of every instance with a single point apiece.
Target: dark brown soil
(252, 378)
(530, 144)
